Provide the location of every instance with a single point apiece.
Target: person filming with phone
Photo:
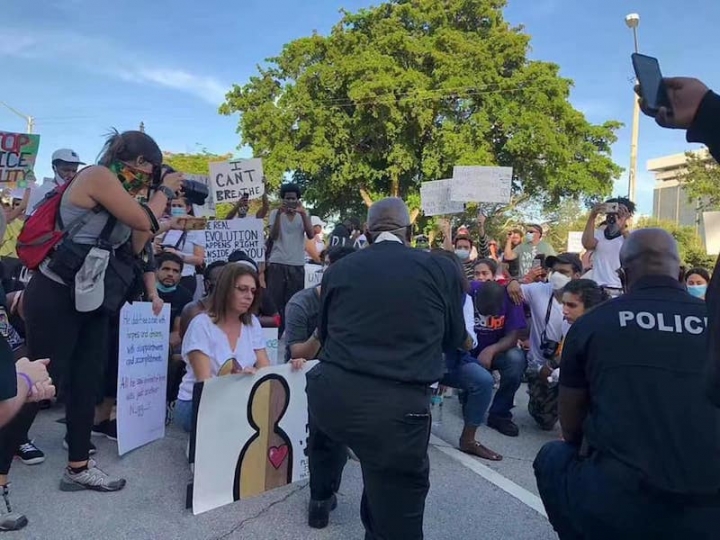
(607, 241)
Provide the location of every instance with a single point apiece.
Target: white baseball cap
(66, 155)
(317, 222)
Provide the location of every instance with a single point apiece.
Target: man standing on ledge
(387, 314)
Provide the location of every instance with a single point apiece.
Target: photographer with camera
(87, 277)
(546, 332)
(607, 241)
(289, 226)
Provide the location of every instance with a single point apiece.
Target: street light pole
(632, 21)
(29, 119)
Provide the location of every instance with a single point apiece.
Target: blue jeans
(511, 365)
(477, 382)
(598, 498)
(184, 414)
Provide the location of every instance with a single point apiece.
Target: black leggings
(76, 344)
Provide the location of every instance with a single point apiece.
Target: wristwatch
(169, 193)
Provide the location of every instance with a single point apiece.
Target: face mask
(612, 231)
(558, 280)
(698, 291)
(177, 211)
(463, 254)
(133, 180)
(164, 288)
(529, 237)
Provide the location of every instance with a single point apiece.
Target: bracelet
(169, 193)
(28, 380)
(154, 225)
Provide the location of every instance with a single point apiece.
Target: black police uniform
(650, 462)
(387, 313)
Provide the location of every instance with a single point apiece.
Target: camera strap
(543, 336)
(180, 244)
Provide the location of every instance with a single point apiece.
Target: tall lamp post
(29, 119)
(632, 21)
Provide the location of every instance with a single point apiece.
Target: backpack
(44, 230)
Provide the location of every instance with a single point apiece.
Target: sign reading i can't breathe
(231, 180)
(222, 237)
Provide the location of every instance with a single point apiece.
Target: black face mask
(612, 231)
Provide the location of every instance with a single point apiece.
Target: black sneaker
(504, 425)
(319, 512)
(30, 454)
(92, 451)
(107, 428)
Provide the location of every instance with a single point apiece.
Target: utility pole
(29, 119)
(632, 21)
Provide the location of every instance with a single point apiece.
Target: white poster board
(222, 237)
(142, 375)
(230, 180)
(711, 232)
(235, 459)
(271, 346)
(481, 184)
(435, 199)
(313, 275)
(574, 243)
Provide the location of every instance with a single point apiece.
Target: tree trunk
(366, 197)
(414, 215)
(395, 186)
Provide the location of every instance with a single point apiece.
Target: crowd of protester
(518, 313)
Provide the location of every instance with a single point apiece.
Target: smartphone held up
(652, 87)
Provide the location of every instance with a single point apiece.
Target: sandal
(474, 448)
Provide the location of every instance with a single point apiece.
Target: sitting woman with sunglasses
(228, 339)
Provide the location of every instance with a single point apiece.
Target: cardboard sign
(222, 237)
(435, 199)
(313, 275)
(18, 152)
(230, 180)
(481, 184)
(250, 437)
(574, 243)
(142, 375)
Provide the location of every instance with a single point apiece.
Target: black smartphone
(652, 88)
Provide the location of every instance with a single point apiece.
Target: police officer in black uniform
(641, 452)
(388, 312)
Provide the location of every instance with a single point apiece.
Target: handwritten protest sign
(142, 375)
(574, 243)
(18, 152)
(222, 237)
(250, 437)
(313, 275)
(435, 198)
(271, 345)
(230, 180)
(481, 184)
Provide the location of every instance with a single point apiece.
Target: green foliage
(691, 246)
(400, 93)
(702, 181)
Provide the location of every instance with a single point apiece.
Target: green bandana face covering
(133, 180)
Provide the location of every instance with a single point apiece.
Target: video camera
(194, 192)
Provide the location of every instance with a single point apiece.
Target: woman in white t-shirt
(227, 339)
(188, 245)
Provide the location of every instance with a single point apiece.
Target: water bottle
(436, 405)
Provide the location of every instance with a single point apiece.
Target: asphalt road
(462, 502)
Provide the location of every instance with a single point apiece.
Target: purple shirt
(492, 328)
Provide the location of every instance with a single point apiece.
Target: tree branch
(366, 197)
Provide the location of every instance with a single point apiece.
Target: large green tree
(701, 181)
(398, 94)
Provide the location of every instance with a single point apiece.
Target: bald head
(650, 252)
(389, 215)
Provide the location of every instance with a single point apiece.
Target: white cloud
(104, 57)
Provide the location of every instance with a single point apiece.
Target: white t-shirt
(606, 260)
(469, 316)
(537, 296)
(192, 239)
(205, 336)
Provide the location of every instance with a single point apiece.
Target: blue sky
(83, 66)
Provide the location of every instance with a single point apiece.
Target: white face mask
(558, 280)
(463, 254)
(529, 237)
